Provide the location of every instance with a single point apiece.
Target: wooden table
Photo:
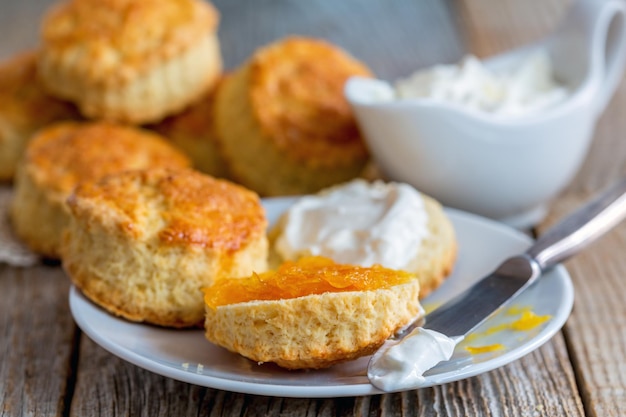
(48, 367)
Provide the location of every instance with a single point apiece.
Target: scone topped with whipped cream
(142, 244)
(62, 155)
(283, 121)
(25, 107)
(367, 223)
(132, 61)
(312, 313)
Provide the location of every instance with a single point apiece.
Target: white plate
(186, 356)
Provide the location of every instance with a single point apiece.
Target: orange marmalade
(307, 276)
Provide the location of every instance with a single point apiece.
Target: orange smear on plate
(475, 350)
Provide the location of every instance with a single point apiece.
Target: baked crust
(296, 95)
(133, 61)
(283, 121)
(437, 254)
(193, 131)
(143, 243)
(115, 41)
(25, 107)
(64, 154)
(318, 330)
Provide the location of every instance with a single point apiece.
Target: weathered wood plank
(36, 342)
(596, 331)
(531, 386)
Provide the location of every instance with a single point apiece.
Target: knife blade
(468, 310)
(460, 315)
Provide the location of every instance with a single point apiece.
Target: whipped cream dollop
(400, 364)
(358, 223)
(527, 88)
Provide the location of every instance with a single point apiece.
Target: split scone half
(25, 107)
(283, 122)
(312, 313)
(142, 244)
(366, 223)
(131, 61)
(62, 155)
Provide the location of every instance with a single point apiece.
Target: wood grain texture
(37, 338)
(532, 386)
(596, 330)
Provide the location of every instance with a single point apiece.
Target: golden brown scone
(435, 254)
(193, 131)
(310, 314)
(142, 244)
(132, 61)
(62, 155)
(283, 121)
(25, 107)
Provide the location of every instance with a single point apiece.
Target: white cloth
(12, 251)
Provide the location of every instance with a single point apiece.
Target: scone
(193, 131)
(132, 61)
(62, 155)
(283, 122)
(368, 223)
(142, 244)
(310, 314)
(25, 107)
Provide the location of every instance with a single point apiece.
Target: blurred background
(368, 29)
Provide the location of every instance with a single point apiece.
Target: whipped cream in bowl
(524, 89)
(498, 137)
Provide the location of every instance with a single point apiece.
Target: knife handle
(580, 228)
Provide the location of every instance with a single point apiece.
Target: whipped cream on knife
(358, 223)
(400, 364)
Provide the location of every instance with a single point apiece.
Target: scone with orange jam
(283, 121)
(142, 244)
(25, 107)
(312, 313)
(132, 61)
(193, 131)
(64, 154)
(366, 223)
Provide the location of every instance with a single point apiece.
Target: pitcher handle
(598, 26)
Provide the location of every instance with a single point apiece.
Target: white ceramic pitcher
(506, 169)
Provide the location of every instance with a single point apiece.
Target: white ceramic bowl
(505, 169)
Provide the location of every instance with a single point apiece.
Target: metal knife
(465, 312)
(469, 309)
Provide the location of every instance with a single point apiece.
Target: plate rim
(328, 391)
